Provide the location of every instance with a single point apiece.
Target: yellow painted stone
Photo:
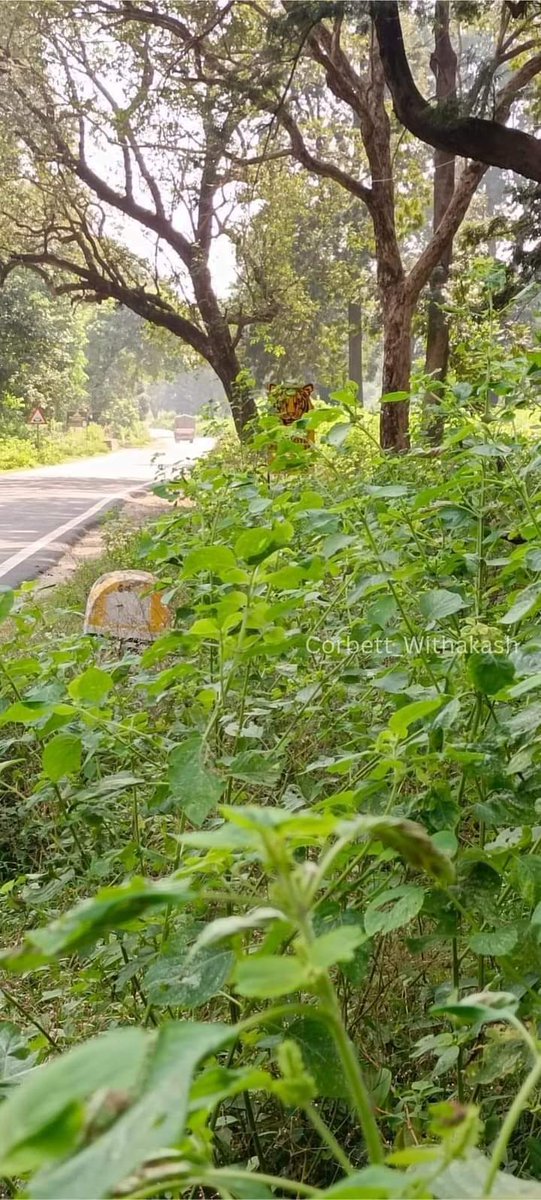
(123, 604)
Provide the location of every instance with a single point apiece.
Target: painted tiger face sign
(291, 404)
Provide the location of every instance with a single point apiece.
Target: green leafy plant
(282, 868)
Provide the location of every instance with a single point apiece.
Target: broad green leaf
(490, 672)
(196, 790)
(525, 877)
(525, 603)
(480, 1006)
(109, 785)
(339, 945)
(254, 545)
(338, 433)
(410, 713)
(394, 682)
(494, 942)
(15, 1056)
(62, 756)
(319, 1055)
(216, 559)
(466, 1177)
(500, 1058)
(525, 721)
(242, 1187)
(268, 975)
(156, 1120)
(440, 603)
(91, 687)
(25, 712)
(394, 397)
(446, 842)
(227, 927)
(489, 450)
(526, 685)
(206, 628)
(51, 1093)
(448, 715)
(372, 1183)
(255, 767)
(289, 578)
(111, 908)
(7, 599)
(412, 842)
(184, 980)
(382, 611)
(388, 491)
(393, 908)
(336, 542)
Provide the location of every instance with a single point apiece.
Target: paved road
(43, 510)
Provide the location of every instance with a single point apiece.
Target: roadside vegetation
(57, 446)
(88, 372)
(271, 884)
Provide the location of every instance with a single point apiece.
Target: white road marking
(55, 534)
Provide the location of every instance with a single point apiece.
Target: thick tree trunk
(394, 418)
(444, 64)
(241, 400)
(222, 356)
(355, 347)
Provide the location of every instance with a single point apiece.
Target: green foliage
(306, 815)
(123, 356)
(43, 360)
(54, 447)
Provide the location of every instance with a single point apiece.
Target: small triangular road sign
(38, 417)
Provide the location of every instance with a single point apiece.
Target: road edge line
(55, 534)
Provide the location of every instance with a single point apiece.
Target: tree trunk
(241, 401)
(394, 418)
(444, 64)
(222, 356)
(355, 347)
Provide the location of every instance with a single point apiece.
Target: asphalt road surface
(45, 509)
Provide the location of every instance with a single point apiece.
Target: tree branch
(321, 166)
(489, 142)
(152, 308)
(454, 214)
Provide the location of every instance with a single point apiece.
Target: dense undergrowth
(271, 889)
(24, 450)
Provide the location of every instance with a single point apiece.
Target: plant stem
(137, 831)
(85, 860)
(252, 1124)
(230, 1175)
(353, 1074)
(513, 1116)
(21, 1008)
(456, 986)
(328, 1137)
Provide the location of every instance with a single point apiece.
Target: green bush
(272, 884)
(76, 443)
(56, 446)
(17, 453)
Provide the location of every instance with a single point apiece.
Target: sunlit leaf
(195, 788)
(62, 756)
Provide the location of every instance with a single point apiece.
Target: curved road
(43, 510)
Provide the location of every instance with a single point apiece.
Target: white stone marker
(124, 605)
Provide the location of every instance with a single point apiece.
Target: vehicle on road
(184, 429)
